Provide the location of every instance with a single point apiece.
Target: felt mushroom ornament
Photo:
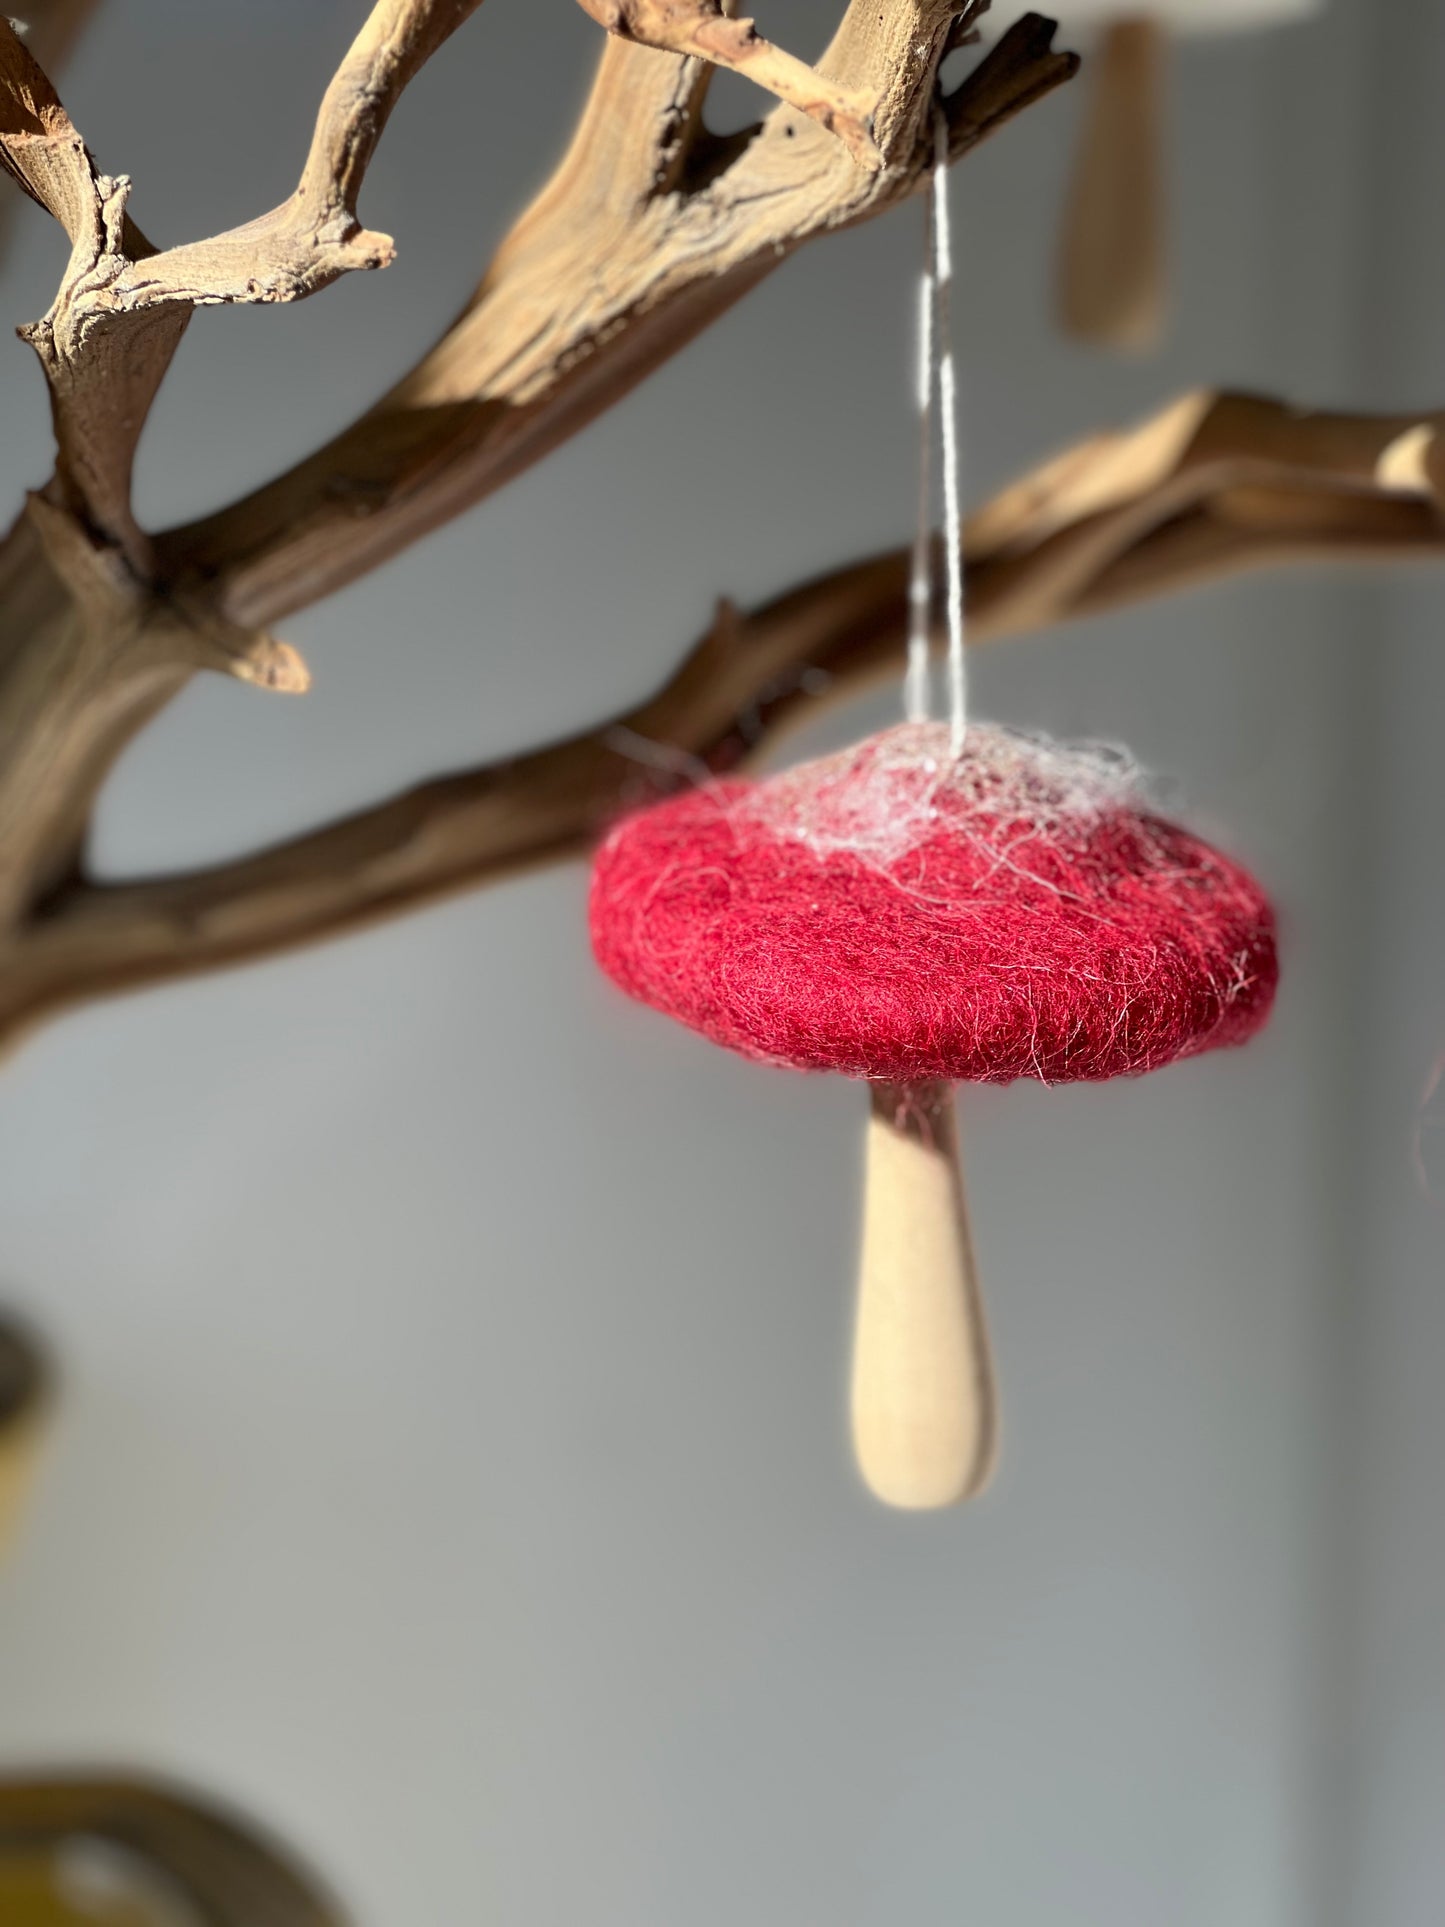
(917, 917)
(943, 903)
(1111, 267)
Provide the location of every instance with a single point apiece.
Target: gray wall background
(452, 1467)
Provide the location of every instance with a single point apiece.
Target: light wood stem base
(923, 1404)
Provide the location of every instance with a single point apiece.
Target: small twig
(700, 30)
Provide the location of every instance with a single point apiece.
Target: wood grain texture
(51, 31)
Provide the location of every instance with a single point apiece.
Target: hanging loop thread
(937, 393)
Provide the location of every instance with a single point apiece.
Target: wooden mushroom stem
(1111, 258)
(923, 1406)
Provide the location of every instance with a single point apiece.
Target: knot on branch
(97, 262)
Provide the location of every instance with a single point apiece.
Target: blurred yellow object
(36, 1893)
(122, 1853)
(24, 1398)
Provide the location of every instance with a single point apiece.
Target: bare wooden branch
(50, 29)
(37, 142)
(91, 643)
(87, 657)
(651, 226)
(315, 236)
(645, 234)
(110, 334)
(1212, 485)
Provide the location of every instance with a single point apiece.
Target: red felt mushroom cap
(895, 913)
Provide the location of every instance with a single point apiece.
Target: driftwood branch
(122, 306)
(92, 641)
(1212, 485)
(50, 29)
(650, 227)
(649, 230)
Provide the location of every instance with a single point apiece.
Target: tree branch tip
(183, 627)
(259, 658)
(1038, 28)
(1021, 67)
(1407, 465)
(27, 85)
(370, 249)
(278, 667)
(1030, 39)
(964, 30)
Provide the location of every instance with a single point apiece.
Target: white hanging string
(937, 376)
(917, 682)
(948, 415)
